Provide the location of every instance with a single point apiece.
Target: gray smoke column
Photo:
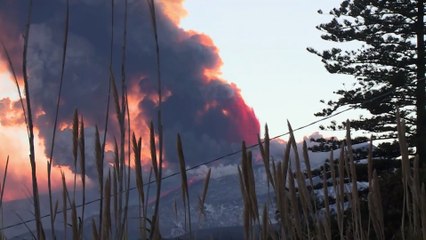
(207, 111)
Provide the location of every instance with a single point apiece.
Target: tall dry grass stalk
(374, 198)
(82, 147)
(52, 208)
(100, 151)
(49, 164)
(36, 199)
(265, 153)
(375, 207)
(202, 198)
(100, 172)
(137, 151)
(106, 224)
(248, 190)
(157, 168)
(340, 194)
(413, 198)
(326, 223)
(64, 205)
(184, 185)
(355, 203)
(405, 169)
(304, 195)
(157, 162)
(2, 190)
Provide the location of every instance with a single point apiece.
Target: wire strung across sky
(215, 159)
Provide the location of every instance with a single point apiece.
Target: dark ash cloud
(207, 111)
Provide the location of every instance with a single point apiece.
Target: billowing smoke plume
(207, 111)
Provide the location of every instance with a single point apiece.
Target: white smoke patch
(218, 171)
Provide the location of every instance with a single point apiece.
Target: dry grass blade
(82, 146)
(370, 162)
(282, 173)
(370, 179)
(340, 193)
(308, 164)
(158, 172)
(64, 204)
(253, 195)
(204, 194)
(74, 221)
(248, 174)
(75, 132)
(116, 98)
(300, 178)
(2, 190)
(265, 224)
(137, 151)
(115, 187)
(246, 210)
(100, 160)
(375, 207)
(333, 171)
(36, 199)
(100, 170)
(265, 153)
(64, 54)
(356, 208)
(248, 188)
(280, 198)
(3, 183)
(95, 233)
(157, 166)
(296, 221)
(49, 186)
(153, 152)
(153, 15)
(286, 162)
(405, 167)
(184, 186)
(106, 224)
(327, 222)
(129, 168)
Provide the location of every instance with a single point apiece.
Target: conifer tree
(388, 65)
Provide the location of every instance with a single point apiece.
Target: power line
(214, 159)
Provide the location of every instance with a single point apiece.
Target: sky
(263, 48)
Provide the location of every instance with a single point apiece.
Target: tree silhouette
(388, 65)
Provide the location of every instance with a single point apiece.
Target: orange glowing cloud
(139, 124)
(14, 143)
(212, 71)
(173, 9)
(11, 112)
(7, 86)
